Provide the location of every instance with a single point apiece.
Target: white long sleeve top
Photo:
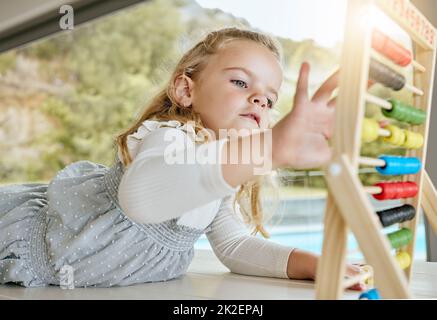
(156, 187)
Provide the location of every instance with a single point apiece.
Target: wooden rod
(418, 66)
(413, 89)
(371, 162)
(378, 101)
(384, 133)
(373, 190)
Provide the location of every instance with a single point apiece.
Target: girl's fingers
(302, 83)
(328, 132)
(326, 89)
(354, 270)
(333, 102)
(326, 155)
(328, 122)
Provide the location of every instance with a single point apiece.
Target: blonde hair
(164, 107)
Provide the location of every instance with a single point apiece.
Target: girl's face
(238, 87)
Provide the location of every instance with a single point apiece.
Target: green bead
(400, 238)
(404, 113)
(419, 117)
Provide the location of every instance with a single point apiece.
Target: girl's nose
(259, 100)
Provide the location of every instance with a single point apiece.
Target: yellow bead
(403, 259)
(368, 269)
(370, 130)
(413, 140)
(397, 135)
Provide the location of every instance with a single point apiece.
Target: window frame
(47, 22)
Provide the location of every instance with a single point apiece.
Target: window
(65, 97)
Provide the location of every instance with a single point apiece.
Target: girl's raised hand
(300, 139)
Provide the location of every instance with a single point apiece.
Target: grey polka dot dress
(76, 221)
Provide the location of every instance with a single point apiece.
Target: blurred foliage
(7, 61)
(113, 65)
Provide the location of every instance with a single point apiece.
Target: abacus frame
(354, 211)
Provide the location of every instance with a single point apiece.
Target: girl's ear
(183, 90)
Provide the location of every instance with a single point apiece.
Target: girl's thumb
(302, 82)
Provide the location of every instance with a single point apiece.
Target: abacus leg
(358, 213)
(429, 201)
(331, 267)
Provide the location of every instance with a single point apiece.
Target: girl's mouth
(252, 116)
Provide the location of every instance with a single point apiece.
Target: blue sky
(320, 20)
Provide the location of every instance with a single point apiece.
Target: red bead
(410, 189)
(396, 190)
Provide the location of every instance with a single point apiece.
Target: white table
(207, 278)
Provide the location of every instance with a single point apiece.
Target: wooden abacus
(348, 203)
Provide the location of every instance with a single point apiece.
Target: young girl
(138, 220)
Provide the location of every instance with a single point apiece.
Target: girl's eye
(240, 83)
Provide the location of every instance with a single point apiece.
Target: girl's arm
(241, 252)
(245, 254)
(155, 188)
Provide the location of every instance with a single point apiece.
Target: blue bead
(372, 294)
(395, 165)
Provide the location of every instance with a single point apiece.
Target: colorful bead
(399, 214)
(372, 294)
(370, 130)
(403, 259)
(400, 238)
(368, 269)
(391, 49)
(396, 190)
(381, 73)
(395, 165)
(404, 113)
(413, 140)
(397, 135)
